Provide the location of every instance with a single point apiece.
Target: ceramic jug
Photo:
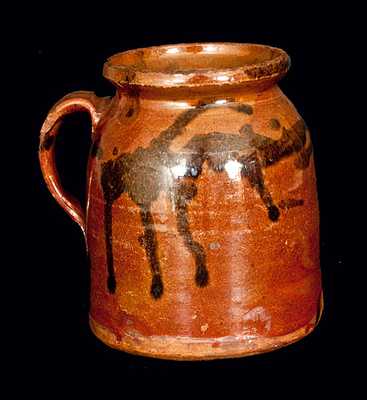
(201, 220)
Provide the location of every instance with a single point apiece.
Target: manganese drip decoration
(139, 174)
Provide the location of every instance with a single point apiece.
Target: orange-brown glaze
(202, 219)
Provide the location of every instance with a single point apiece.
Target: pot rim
(197, 65)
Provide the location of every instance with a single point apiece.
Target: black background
(63, 52)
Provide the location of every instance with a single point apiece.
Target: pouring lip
(196, 65)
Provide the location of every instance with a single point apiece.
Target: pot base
(187, 348)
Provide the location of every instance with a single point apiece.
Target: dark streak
(253, 172)
(115, 151)
(185, 192)
(289, 203)
(133, 92)
(47, 141)
(149, 242)
(273, 213)
(139, 174)
(129, 76)
(303, 157)
(129, 112)
(271, 151)
(269, 69)
(243, 108)
(112, 186)
(274, 124)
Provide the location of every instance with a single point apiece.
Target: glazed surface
(210, 221)
(202, 220)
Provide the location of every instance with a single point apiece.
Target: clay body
(202, 215)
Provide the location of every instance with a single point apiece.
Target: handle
(75, 101)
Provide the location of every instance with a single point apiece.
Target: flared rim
(196, 64)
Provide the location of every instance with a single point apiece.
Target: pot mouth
(197, 64)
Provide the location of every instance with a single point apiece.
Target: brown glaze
(250, 151)
(202, 214)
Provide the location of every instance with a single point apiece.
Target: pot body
(202, 223)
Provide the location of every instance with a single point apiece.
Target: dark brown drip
(140, 175)
(290, 203)
(303, 157)
(149, 242)
(183, 193)
(274, 124)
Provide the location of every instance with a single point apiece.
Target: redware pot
(202, 219)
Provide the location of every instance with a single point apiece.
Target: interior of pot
(195, 64)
